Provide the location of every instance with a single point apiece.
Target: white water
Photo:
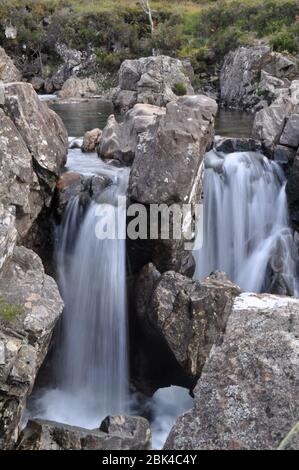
(246, 228)
(90, 364)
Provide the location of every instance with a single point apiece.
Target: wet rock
(8, 70)
(119, 140)
(150, 80)
(168, 156)
(292, 191)
(91, 140)
(230, 144)
(115, 433)
(192, 315)
(284, 155)
(247, 396)
(30, 306)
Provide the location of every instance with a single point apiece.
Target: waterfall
(246, 230)
(90, 364)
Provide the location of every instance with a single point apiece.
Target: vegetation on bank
(115, 30)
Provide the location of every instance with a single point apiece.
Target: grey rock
(192, 315)
(252, 77)
(8, 70)
(75, 87)
(34, 305)
(247, 396)
(72, 57)
(8, 232)
(37, 83)
(168, 156)
(42, 130)
(230, 144)
(91, 140)
(115, 433)
(150, 80)
(284, 155)
(290, 134)
(119, 140)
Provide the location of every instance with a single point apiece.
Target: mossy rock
(179, 89)
(8, 311)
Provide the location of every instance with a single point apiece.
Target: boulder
(8, 232)
(8, 70)
(168, 156)
(75, 87)
(41, 128)
(91, 140)
(150, 80)
(119, 140)
(247, 396)
(252, 75)
(30, 306)
(115, 433)
(72, 57)
(19, 186)
(290, 134)
(192, 315)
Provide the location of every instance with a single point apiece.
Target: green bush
(179, 89)
(9, 311)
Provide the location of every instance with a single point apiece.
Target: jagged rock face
(236, 144)
(8, 70)
(192, 315)
(253, 77)
(30, 306)
(115, 433)
(168, 156)
(247, 396)
(119, 140)
(8, 232)
(150, 80)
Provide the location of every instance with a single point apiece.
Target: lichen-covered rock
(119, 140)
(30, 306)
(150, 80)
(247, 396)
(8, 70)
(192, 315)
(8, 232)
(115, 433)
(168, 156)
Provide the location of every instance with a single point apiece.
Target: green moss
(8, 311)
(179, 89)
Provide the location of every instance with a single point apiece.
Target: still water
(79, 117)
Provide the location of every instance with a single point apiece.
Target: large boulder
(8, 70)
(19, 186)
(168, 156)
(119, 140)
(30, 306)
(115, 433)
(252, 77)
(192, 315)
(247, 396)
(41, 128)
(151, 80)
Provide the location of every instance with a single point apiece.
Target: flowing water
(90, 365)
(246, 229)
